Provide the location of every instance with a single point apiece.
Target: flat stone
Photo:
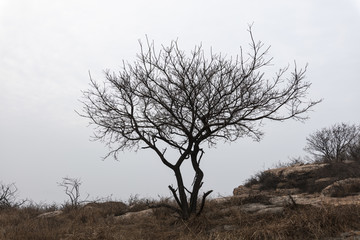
(140, 214)
(50, 214)
(255, 207)
(271, 210)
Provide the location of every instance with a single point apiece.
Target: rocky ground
(303, 184)
(302, 201)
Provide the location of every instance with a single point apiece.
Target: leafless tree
(8, 196)
(167, 99)
(354, 149)
(333, 144)
(72, 190)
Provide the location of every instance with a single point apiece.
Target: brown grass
(100, 221)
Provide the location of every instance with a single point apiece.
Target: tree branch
(203, 202)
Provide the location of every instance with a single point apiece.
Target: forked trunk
(189, 208)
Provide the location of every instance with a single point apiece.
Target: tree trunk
(199, 175)
(187, 209)
(182, 200)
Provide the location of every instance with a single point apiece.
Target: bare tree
(72, 190)
(333, 144)
(8, 196)
(167, 99)
(354, 149)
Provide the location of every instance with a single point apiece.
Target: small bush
(266, 179)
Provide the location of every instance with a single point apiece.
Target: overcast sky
(48, 47)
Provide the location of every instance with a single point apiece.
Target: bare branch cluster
(169, 97)
(335, 144)
(8, 196)
(72, 190)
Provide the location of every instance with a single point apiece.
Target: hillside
(313, 201)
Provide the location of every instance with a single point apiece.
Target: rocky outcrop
(310, 184)
(304, 178)
(298, 169)
(242, 190)
(342, 188)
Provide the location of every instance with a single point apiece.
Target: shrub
(266, 179)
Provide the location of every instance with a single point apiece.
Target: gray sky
(48, 47)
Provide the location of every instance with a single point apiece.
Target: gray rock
(254, 207)
(271, 210)
(50, 214)
(139, 214)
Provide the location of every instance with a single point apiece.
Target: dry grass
(100, 221)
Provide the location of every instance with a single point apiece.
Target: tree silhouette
(335, 144)
(167, 99)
